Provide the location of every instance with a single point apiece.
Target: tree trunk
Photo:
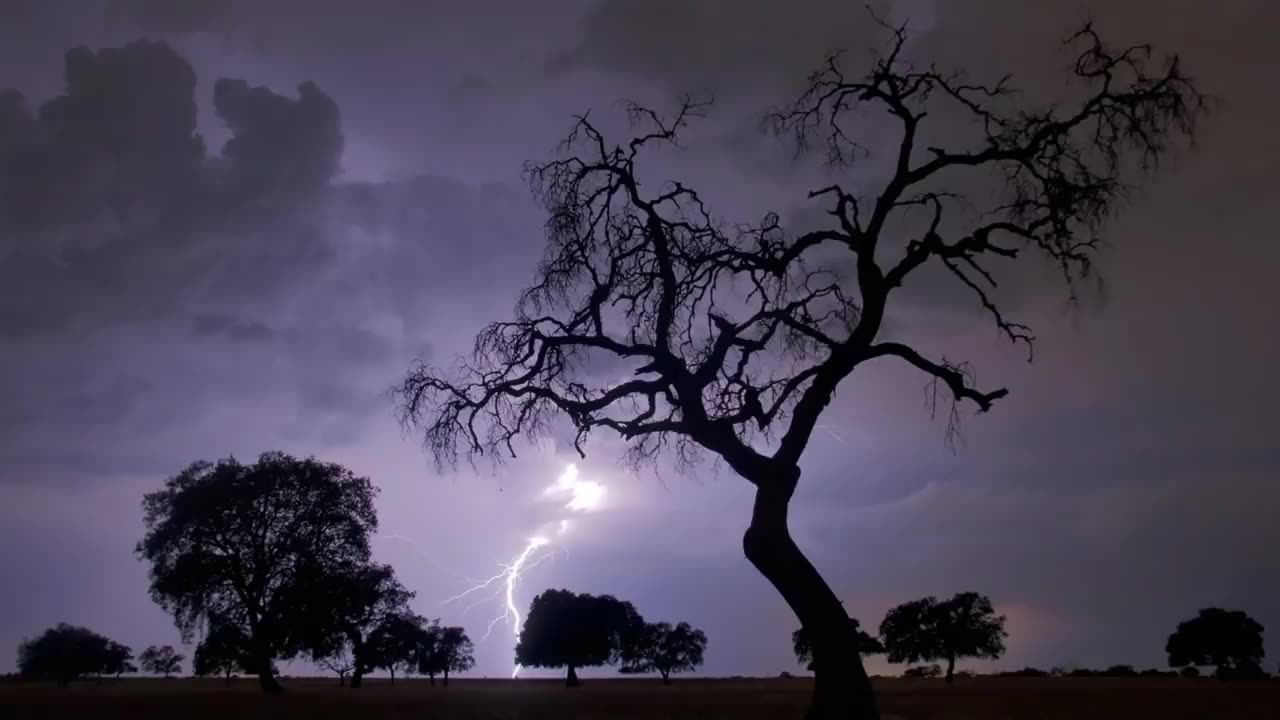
(392, 669)
(446, 677)
(841, 688)
(226, 678)
(357, 676)
(266, 676)
(951, 668)
(666, 678)
(571, 680)
(342, 679)
(432, 678)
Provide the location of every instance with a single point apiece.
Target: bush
(1024, 672)
(1190, 671)
(923, 671)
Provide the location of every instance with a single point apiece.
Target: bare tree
(739, 336)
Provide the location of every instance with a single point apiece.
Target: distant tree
(803, 647)
(1230, 640)
(927, 629)
(223, 651)
(65, 652)
(117, 659)
(1124, 671)
(923, 671)
(340, 661)
(249, 545)
(661, 648)
(161, 660)
(571, 630)
(739, 335)
(396, 644)
(347, 604)
(1190, 671)
(445, 650)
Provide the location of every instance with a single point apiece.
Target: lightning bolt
(584, 496)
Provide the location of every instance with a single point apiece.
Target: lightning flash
(579, 496)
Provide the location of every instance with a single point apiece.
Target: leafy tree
(249, 545)
(396, 644)
(117, 659)
(65, 652)
(572, 630)
(661, 648)
(1230, 640)
(740, 334)
(161, 660)
(223, 651)
(445, 650)
(803, 648)
(923, 630)
(353, 601)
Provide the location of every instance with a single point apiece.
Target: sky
(350, 199)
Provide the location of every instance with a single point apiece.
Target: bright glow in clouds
(583, 496)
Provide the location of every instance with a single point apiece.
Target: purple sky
(1129, 479)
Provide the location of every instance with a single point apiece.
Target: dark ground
(1015, 698)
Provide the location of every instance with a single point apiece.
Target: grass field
(1092, 699)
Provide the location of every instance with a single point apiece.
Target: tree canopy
(574, 630)
(662, 648)
(66, 652)
(803, 646)
(446, 649)
(737, 335)
(1230, 640)
(963, 626)
(161, 660)
(397, 643)
(348, 604)
(224, 651)
(245, 544)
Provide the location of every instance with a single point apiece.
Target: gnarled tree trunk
(841, 688)
(571, 679)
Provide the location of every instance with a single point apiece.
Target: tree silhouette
(963, 626)
(571, 630)
(661, 648)
(247, 544)
(117, 659)
(396, 644)
(353, 601)
(223, 651)
(161, 660)
(65, 652)
(803, 647)
(1230, 640)
(445, 650)
(340, 661)
(738, 336)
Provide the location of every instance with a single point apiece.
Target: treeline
(966, 626)
(270, 561)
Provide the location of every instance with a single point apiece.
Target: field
(986, 698)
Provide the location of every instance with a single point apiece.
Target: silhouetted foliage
(571, 630)
(1154, 673)
(1230, 640)
(65, 652)
(396, 643)
(252, 544)
(1190, 671)
(923, 671)
(1023, 673)
(353, 601)
(224, 651)
(117, 659)
(161, 660)
(340, 661)
(927, 629)
(445, 650)
(661, 648)
(735, 331)
(1120, 671)
(803, 648)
